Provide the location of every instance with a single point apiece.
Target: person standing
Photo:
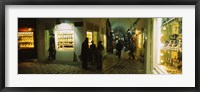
(92, 51)
(132, 49)
(100, 49)
(116, 42)
(54, 52)
(85, 54)
(119, 47)
(51, 52)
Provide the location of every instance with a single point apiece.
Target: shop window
(89, 36)
(64, 36)
(65, 39)
(171, 45)
(25, 38)
(95, 35)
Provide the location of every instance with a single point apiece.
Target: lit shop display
(95, 37)
(64, 36)
(25, 38)
(171, 45)
(139, 38)
(65, 39)
(89, 36)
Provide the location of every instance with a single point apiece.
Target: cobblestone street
(111, 65)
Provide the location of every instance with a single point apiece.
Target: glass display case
(65, 39)
(171, 45)
(25, 38)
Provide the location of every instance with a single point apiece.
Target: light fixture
(164, 28)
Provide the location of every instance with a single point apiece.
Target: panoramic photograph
(100, 45)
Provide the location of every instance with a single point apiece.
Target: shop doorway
(64, 41)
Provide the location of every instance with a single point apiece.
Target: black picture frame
(3, 3)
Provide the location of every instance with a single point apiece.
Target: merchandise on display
(171, 51)
(25, 40)
(65, 39)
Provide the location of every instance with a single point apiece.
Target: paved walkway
(111, 65)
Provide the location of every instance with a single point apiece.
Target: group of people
(128, 47)
(91, 53)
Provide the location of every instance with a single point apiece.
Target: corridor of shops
(94, 45)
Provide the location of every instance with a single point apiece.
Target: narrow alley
(111, 65)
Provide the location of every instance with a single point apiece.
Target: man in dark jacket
(119, 47)
(85, 54)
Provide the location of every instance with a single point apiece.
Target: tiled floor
(111, 65)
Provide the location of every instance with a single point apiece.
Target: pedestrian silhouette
(132, 50)
(92, 52)
(85, 54)
(119, 47)
(52, 52)
(100, 49)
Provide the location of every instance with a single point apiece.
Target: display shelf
(171, 48)
(25, 40)
(65, 39)
(172, 70)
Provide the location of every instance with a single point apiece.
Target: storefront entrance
(64, 42)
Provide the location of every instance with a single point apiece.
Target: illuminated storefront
(169, 46)
(92, 33)
(25, 38)
(89, 36)
(27, 42)
(64, 41)
(35, 37)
